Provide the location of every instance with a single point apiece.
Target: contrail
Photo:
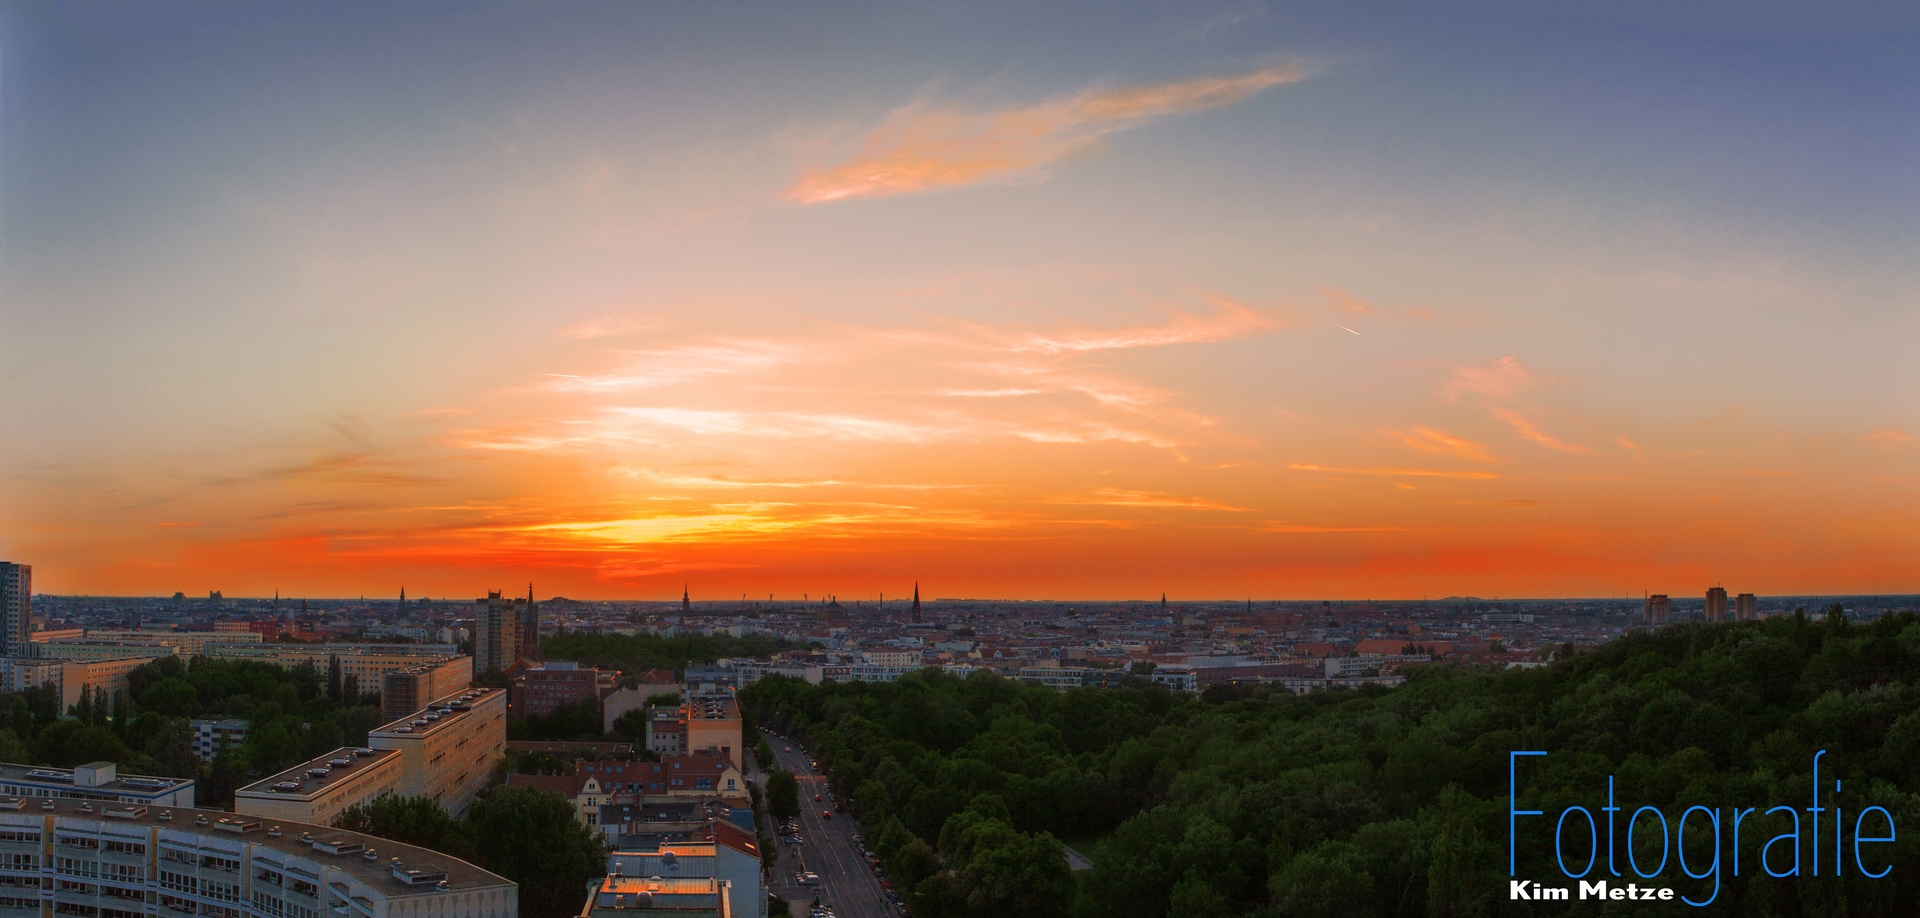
(1348, 329)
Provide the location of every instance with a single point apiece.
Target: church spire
(916, 601)
(686, 602)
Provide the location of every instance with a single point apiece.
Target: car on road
(826, 814)
(787, 749)
(816, 798)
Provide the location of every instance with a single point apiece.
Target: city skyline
(1222, 299)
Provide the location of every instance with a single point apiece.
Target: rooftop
(369, 859)
(438, 714)
(101, 777)
(303, 782)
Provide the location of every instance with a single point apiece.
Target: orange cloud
(1420, 473)
(921, 150)
(1889, 435)
(1428, 440)
(1505, 379)
(1526, 430)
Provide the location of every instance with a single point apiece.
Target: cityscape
(1217, 459)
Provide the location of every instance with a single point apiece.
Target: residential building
(596, 785)
(1716, 604)
(1745, 607)
(448, 749)
(318, 791)
(185, 643)
(1177, 676)
(620, 701)
(106, 677)
(496, 633)
(615, 896)
(140, 860)
(1659, 609)
(211, 736)
(539, 690)
(367, 664)
(16, 607)
(713, 725)
(409, 689)
(882, 672)
(95, 781)
(666, 732)
(730, 854)
(99, 650)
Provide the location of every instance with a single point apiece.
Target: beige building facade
(448, 749)
(318, 791)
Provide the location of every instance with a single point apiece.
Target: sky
(1094, 300)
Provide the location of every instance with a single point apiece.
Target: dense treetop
(1255, 802)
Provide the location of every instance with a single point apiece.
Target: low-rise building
(666, 732)
(616, 896)
(730, 853)
(713, 725)
(318, 791)
(100, 781)
(139, 860)
(448, 749)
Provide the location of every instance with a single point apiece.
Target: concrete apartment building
(318, 791)
(185, 643)
(403, 691)
(96, 781)
(366, 663)
(713, 725)
(211, 736)
(152, 862)
(538, 690)
(1716, 604)
(70, 677)
(504, 630)
(99, 650)
(1746, 607)
(1659, 609)
(447, 749)
(16, 607)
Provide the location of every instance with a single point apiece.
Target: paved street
(847, 883)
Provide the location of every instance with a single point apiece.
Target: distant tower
(530, 628)
(686, 602)
(916, 602)
(403, 599)
(1659, 609)
(276, 599)
(1745, 607)
(1163, 601)
(1717, 604)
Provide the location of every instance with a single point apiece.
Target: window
(20, 862)
(125, 847)
(124, 873)
(75, 867)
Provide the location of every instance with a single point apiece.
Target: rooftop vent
(338, 844)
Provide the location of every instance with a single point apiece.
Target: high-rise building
(496, 633)
(1659, 609)
(1717, 604)
(16, 607)
(1745, 607)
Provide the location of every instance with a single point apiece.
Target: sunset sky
(1014, 300)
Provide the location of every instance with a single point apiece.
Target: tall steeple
(403, 599)
(686, 602)
(916, 601)
(1163, 600)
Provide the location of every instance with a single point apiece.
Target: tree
(783, 795)
(408, 820)
(533, 837)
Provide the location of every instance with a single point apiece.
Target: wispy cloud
(1113, 497)
(919, 148)
(1428, 440)
(1527, 431)
(1233, 321)
(648, 369)
(1889, 435)
(1394, 472)
(1506, 378)
(608, 326)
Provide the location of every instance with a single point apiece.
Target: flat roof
(434, 716)
(305, 785)
(352, 846)
(63, 777)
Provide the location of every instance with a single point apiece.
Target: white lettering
(1598, 890)
(1517, 889)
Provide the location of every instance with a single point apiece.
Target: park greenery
(527, 835)
(296, 714)
(1251, 801)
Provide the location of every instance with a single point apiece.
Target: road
(847, 883)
